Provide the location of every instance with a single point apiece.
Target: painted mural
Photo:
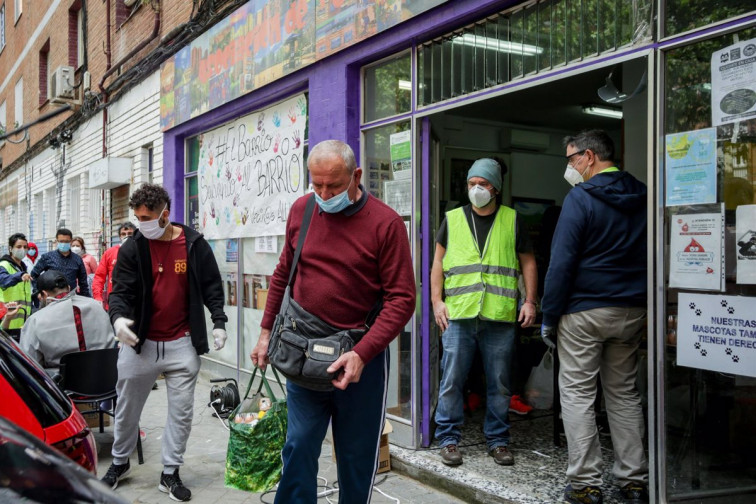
(264, 40)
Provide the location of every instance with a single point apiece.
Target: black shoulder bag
(302, 346)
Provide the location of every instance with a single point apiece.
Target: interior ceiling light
(610, 94)
(405, 84)
(603, 111)
(469, 39)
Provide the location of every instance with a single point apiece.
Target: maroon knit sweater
(348, 260)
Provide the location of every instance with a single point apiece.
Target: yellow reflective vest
(21, 294)
(486, 286)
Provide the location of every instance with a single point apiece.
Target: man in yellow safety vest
(480, 253)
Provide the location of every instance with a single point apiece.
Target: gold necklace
(165, 254)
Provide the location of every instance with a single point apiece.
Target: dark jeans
(356, 415)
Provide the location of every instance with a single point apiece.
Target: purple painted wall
(333, 85)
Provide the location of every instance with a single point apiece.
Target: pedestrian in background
(31, 256)
(480, 252)
(65, 323)
(61, 259)
(355, 254)
(104, 272)
(164, 278)
(594, 306)
(78, 248)
(15, 283)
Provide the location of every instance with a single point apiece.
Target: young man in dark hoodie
(164, 278)
(595, 294)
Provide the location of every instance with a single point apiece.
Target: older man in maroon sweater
(356, 252)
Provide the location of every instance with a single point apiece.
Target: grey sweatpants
(602, 341)
(179, 362)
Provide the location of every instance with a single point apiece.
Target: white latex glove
(123, 333)
(219, 335)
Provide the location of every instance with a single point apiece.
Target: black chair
(90, 377)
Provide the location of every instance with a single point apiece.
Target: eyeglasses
(578, 153)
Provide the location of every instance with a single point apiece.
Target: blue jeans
(496, 343)
(356, 415)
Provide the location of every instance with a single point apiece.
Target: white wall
(133, 123)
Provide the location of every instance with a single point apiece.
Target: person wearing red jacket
(107, 263)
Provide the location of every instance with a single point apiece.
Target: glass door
(708, 362)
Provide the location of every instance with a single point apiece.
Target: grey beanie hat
(488, 169)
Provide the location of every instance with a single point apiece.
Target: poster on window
(691, 167)
(251, 171)
(745, 236)
(695, 248)
(401, 155)
(717, 333)
(733, 83)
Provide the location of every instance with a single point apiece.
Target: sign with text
(691, 167)
(733, 83)
(251, 171)
(695, 251)
(717, 333)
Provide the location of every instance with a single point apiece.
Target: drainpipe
(107, 67)
(112, 69)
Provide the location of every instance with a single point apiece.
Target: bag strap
(264, 383)
(306, 218)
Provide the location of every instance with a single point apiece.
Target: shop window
(74, 205)
(387, 165)
(525, 41)
(388, 88)
(683, 15)
(709, 176)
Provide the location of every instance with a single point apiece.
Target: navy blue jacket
(598, 255)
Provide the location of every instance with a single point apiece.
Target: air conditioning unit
(524, 140)
(61, 85)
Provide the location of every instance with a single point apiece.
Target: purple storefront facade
(457, 80)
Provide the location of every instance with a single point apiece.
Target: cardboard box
(93, 419)
(384, 457)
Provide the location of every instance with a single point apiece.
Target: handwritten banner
(251, 171)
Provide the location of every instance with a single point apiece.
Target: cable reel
(224, 399)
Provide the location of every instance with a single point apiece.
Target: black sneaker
(587, 495)
(115, 473)
(450, 455)
(172, 485)
(634, 493)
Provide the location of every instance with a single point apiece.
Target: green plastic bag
(253, 459)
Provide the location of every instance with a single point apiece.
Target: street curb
(467, 493)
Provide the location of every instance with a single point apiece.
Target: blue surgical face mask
(336, 203)
(64, 247)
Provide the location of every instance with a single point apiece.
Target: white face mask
(479, 196)
(19, 253)
(151, 229)
(76, 250)
(572, 176)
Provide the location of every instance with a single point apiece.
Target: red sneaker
(518, 407)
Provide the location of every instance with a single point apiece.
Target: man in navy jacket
(595, 294)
